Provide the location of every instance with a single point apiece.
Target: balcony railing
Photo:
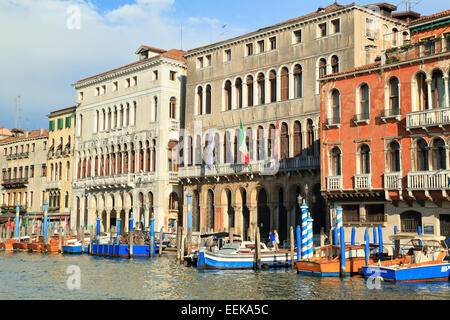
(368, 219)
(334, 183)
(393, 180)
(376, 218)
(332, 122)
(54, 185)
(429, 180)
(14, 183)
(362, 117)
(108, 182)
(299, 163)
(428, 118)
(363, 181)
(390, 113)
(415, 51)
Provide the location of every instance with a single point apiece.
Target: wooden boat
(240, 255)
(427, 263)
(8, 244)
(326, 262)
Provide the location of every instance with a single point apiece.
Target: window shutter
(68, 122)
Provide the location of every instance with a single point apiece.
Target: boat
(326, 262)
(75, 248)
(427, 263)
(240, 255)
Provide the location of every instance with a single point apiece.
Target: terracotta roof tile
(431, 16)
(32, 134)
(356, 69)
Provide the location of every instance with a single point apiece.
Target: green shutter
(68, 122)
(51, 125)
(60, 123)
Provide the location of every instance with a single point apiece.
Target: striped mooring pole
(309, 239)
(304, 208)
(339, 223)
(45, 221)
(419, 232)
(17, 221)
(380, 242)
(189, 212)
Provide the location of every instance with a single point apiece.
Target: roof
(33, 134)
(330, 8)
(172, 54)
(384, 5)
(369, 66)
(430, 17)
(62, 111)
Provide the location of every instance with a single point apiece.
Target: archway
(263, 214)
(282, 217)
(210, 211)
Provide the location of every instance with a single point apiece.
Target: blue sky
(41, 58)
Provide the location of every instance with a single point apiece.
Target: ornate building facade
(127, 128)
(262, 79)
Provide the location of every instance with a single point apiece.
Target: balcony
(390, 114)
(115, 181)
(54, 185)
(15, 183)
(363, 181)
(332, 122)
(429, 180)
(413, 51)
(368, 219)
(428, 118)
(392, 180)
(308, 162)
(376, 218)
(334, 183)
(362, 118)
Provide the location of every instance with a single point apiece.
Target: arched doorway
(209, 211)
(282, 217)
(318, 209)
(230, 210)
(263, 214)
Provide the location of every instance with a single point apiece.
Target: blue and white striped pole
(304, 208)
(419, 232)
(380, 242)
(131, 221)
(343, 273)
(353, 236)
(366, 246)
(309, 239)
(45, 221)
(17, 221)
(299, 242)
(339, 222)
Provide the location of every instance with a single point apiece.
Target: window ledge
(358, 122)
(396, 117)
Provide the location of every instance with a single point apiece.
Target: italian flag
(245, 157)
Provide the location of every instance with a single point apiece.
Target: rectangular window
(155, 75)
(200, 62)
(261, 46)
(31, 171)
(31, 198)
(322, 29)
(60, 123)
(80, 96)
(336, 25)
(127, 83)
(103, 91)
(97, 91)
(173, 75)
(68, 122)
(370, 31)
(51, 125)
(208, 60)
(227, 57)
(249, 47)
(273, 43)
(44, 170)
(297, 36)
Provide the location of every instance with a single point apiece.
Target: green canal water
(36, 276)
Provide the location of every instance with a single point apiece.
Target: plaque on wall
(428, 228)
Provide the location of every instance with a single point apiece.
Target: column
(233, 96)
(203, 100)
(238, 220)
(244, 94)
(430, 98)
(267, 90)
(447, 97)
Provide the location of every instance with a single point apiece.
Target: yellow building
(59, 162)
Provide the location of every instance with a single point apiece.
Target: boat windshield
(230, 247)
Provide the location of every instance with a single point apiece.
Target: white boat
(241, 255)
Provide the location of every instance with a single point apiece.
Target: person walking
(277, 239)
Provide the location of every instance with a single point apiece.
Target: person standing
(277, 239)
(273, 240)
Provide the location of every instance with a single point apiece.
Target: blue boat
(74, 248)
(428, 253)
(239, 255)
(122, 250)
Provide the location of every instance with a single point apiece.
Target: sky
(44, 50)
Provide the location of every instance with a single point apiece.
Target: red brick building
(385, 135)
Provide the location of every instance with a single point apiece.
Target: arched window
(227, 93)
(190, 161)
(438, 153)
(127, 115)
(421, 92)
(261, 88)
(284, 135)
(173, 201)
(394, 156)
(97, 120)
(249, 143)
(200, 100)
(260, 143)
(422, 155)
(334, 64)
(208, 99)
(297, 139)
(155, 114)
(109, 119)
(394, 103)
(172, 156)
(249, 91)
(284, 84)
(172, 108)
(395, 37)
(236, 153)
(298, 81)
(336, 106)
(310, 137)
(115, 117)
(270, 143)
(364, 102)
(336, 161)
(364, 159)
(121, 117)
(238, 85)
(226, 147)
(154, 156)
(437, 89)
(273, 86)
(322, 67)
(104, 120)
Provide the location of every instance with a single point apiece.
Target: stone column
(238, 220)
(430, 98)
(233, 96)
(446, 97)
(267, 91)
(253, 215)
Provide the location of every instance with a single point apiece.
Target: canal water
(39, 276)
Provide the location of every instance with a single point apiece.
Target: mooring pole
(17, 221)
(161, 236)
(130, 245)
(380, 242)
(366, 246)
(82, 240)
(353, 236)
(152, 235)
(59, 240)
(45, 221)
(299, 242)
(292, 246)
(182, 246)
(258, 249)
(343, 274)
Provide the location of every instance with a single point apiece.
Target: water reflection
(41, 276)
